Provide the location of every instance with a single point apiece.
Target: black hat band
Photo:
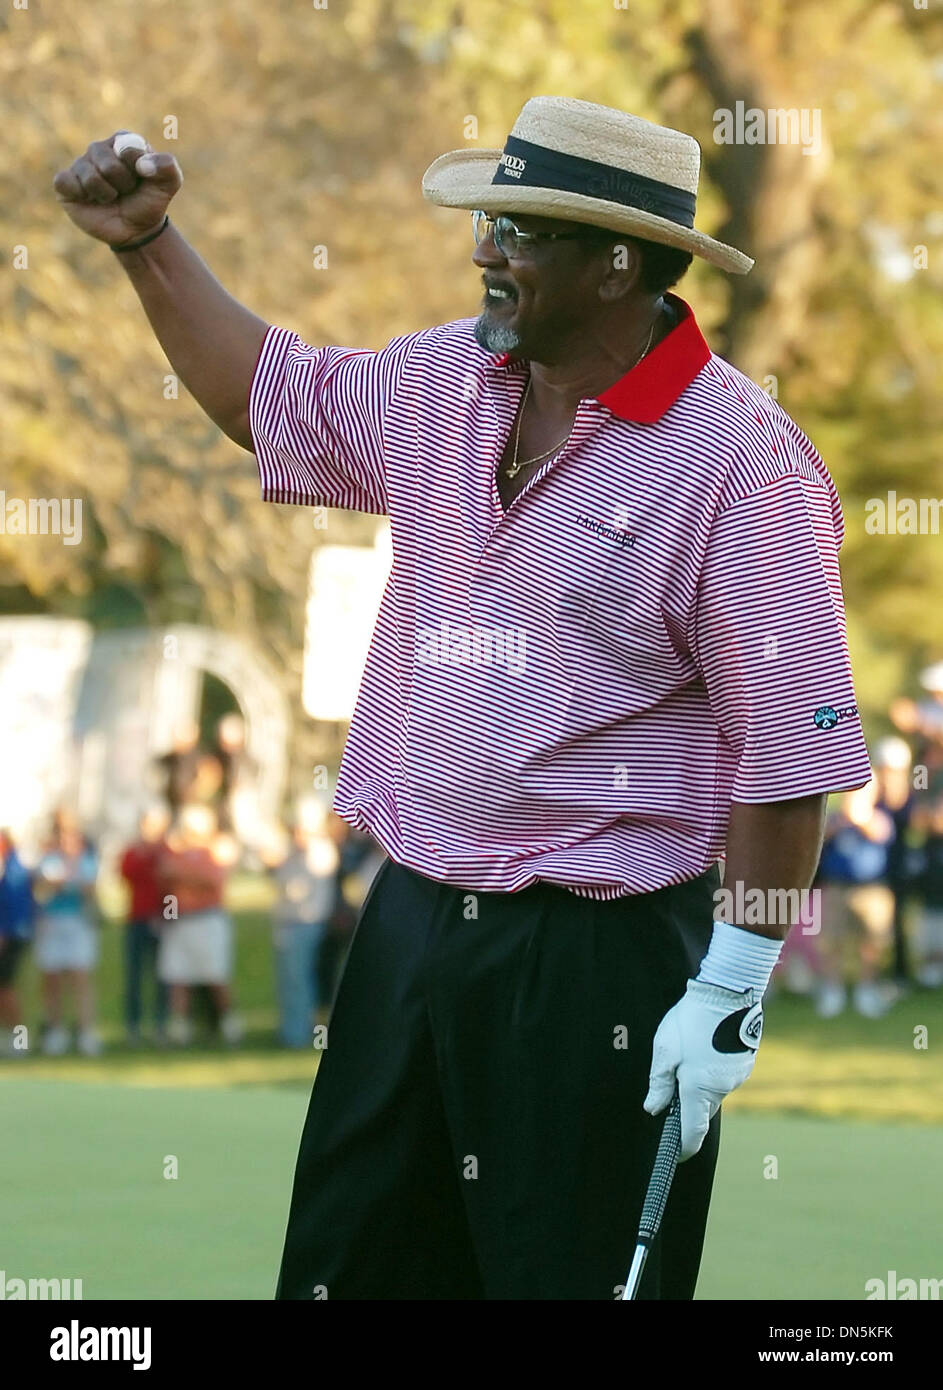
(534, 166)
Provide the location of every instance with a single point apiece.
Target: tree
(303, 129)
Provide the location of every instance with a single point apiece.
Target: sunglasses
(511, 242)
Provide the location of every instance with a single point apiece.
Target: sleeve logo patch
(826, 716)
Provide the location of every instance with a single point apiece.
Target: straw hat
(586, 163)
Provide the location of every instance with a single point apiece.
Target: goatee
(495, 337)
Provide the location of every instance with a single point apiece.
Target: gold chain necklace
(515, 466)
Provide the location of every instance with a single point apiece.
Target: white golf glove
(706, 1044)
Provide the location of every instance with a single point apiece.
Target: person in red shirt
(141, 933)
(196, 931)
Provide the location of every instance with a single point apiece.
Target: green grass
(87, 1197)
(849, 1066)
(851, 1111)
(851, 1201)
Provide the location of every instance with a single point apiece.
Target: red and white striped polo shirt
(573, 690)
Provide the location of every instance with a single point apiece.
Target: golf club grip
(663, 1171)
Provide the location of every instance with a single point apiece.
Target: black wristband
(134, 245)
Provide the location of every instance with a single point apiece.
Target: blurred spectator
(800, 965)
(359, 862)
(141, 933)
(196, 947)
(234, 762)
(181, 766)
(67, 934)
(924, 719)
(893, 771)
(306, 880)
(929, 818)
(857, 904)
(16, 926)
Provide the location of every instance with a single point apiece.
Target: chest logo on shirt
(606, 530)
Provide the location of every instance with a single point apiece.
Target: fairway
(87, 1197)
(852, 1200)
(89, 1200)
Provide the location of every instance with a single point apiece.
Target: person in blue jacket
(16, 926)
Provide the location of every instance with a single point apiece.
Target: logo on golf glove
(739, 1030)
(751, 1029)
(706, 1044)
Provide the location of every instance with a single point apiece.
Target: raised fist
(118, 195)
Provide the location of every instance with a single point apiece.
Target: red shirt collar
(647, 391)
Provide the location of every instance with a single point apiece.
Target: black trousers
(476, 1126)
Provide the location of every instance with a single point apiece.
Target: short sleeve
(316, 416)
(768, 636)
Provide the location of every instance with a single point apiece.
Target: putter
(659, 1185)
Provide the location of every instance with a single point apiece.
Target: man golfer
(611, 651)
